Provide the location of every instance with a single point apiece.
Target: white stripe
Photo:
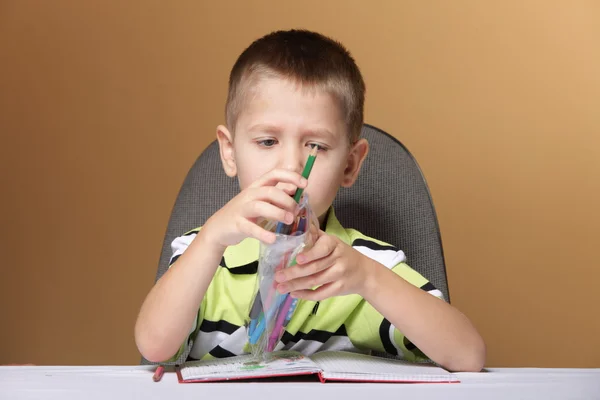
(205, 342)
(389, 258)
(308, 347)
(236, 341)
(436, 293)
(180, 244)
(391, 333)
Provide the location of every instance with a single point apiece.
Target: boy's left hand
(331, 264)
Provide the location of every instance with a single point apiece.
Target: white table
(135, 382)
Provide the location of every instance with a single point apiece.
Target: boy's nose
(292, 161)
(293, 166)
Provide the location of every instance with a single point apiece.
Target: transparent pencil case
(271, 311)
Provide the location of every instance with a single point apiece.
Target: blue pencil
(262, 324)
(255, 313)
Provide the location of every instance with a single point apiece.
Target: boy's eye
(318, 146)
(266, 142)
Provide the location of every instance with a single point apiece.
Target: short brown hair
(307, 58)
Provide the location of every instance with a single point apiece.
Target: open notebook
(327, 366)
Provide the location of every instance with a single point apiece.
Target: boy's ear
(225, 139)
(357, 155)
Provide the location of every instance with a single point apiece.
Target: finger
(275, 196)
(308, 282)
(321, 293)
(288, 188)
(313, 228)
(299, 271)
(257, 209)
(312, 235)
(275, 176)
(323, 247)
(255, 231)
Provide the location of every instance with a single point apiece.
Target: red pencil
(160, 370)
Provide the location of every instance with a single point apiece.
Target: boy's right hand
(269, 197)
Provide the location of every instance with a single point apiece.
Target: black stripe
(219, 352)
(428, 286)
(384, 335)
(174, 259)
(314, 334)
(190, 233)
(408, 344)
(248, 269)
(220, 326)
(372, 245)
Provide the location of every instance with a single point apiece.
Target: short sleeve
(368, 328)
(178, 246)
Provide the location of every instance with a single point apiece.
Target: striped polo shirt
(347, 323)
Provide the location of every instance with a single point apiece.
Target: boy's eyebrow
(321, 132)
(265, 128)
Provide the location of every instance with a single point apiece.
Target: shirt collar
(333, 227)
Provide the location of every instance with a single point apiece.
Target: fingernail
(300, 258)
(282, 289)
(303, 181)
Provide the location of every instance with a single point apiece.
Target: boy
(290, 91)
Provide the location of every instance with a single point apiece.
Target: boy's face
(275, 129)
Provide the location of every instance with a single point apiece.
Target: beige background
(104, 105)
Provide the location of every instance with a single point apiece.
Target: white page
(279, 363)
(345, 365)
